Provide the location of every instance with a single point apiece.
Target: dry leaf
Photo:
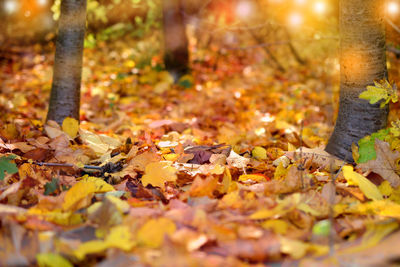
(157, 173)
(384, 164)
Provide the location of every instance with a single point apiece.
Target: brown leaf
(384, 164)
(316, 156)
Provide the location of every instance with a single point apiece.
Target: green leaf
(51, 187)
(322, 228)
(381, 91)
(366, 145)
(7, 166)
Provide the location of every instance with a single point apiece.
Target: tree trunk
(362, 60)
(176, 54)
(65, 91)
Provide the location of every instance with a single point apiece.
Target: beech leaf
(70, 126)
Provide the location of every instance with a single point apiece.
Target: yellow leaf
(100, 184)
(226, 180)
(280, 172)
(278, 226)
(157, 173)
(259, 153)
(366, 186)
(81, 193)
(152, 233)
(71, 127)
(119, 237)
(171, 157)
(291, 147)
(374, 234)
(385, 188)
(297, 249)
(52, 260)
(264, 214)
(90, 247)
(121, 205)
(307, 209)
(231, 200)
(217, 169)
(254, 177)
(284, 206)
(100, 144)
(57, 216)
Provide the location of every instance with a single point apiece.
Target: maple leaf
(382, 90)
(7, 166)
(384, 164)
(157, 173)
(366, 145)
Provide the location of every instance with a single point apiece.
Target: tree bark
(65, 91)
(176, 54)
(362, 60)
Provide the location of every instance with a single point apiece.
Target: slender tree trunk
(176, 54)
(362, 60)
(65, 91)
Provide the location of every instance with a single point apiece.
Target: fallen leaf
(384, 164)
(370, 190)
(70, 126)
(157, 173)
(81, 193)
(52, 260)
(152, 233)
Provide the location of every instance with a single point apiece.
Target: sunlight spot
(393, 8)
(289, 130)
(268, 118)
(259, 131)
(10, 6)
(300, 2)
(244, 9)
(319, 7)
(199, 87)
(42, 2)
(295, 19)
(237, 95)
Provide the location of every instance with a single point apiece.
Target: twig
(52, 164)
(394, 50)
(394, 26)
(269, 53)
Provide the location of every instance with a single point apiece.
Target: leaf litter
(226, 167)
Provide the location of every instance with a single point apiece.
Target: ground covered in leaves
(226, 167)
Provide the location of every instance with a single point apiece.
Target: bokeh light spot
(319, 7)
(244, 9)
(10, 6)
(393, 8)
(295, 19)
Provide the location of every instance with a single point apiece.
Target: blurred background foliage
(280, 33)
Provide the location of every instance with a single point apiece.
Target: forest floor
(225, 168)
